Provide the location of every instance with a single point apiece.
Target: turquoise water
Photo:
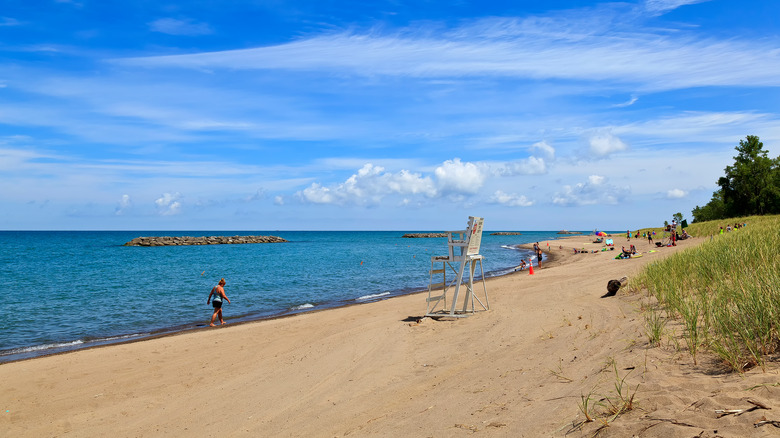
(73, 289)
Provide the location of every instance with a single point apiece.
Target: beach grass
(724, 291)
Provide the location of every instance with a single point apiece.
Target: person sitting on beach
(219, 294)
(626, 253)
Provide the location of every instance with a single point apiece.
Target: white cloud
(456, 176)
(546, 149)
(606, 143)
(278, 200)
(125, 203)
(369, 185)
(595, 191)
(186, 27)
(511, 200)
(596, 180)
(452, 178)
(529, 166)
(258, 195)
(168, 204)
(676, 194)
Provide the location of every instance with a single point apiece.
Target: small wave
(42, 347)
(369, 297)
(116, 338)
(303, 306)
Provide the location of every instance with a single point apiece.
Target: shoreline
(65, 347)
(375, 370)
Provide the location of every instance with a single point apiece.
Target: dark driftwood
(613, 286)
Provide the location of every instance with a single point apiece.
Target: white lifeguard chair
(462, 252)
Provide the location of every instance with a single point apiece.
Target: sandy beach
(520, 369)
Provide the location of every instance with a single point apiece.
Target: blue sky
(382, 115)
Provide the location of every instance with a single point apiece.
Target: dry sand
(517, 370)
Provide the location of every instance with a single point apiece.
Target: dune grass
(725, 291)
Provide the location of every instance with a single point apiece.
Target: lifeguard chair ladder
(462, 252)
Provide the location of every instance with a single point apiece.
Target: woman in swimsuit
(219, 294)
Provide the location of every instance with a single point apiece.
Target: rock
(568, 232)
(423, 235)
(202, 240)
(506, 233)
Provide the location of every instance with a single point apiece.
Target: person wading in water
(219, 294)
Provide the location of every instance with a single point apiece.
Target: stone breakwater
(506, 233)
(202, 240)
(420, 235)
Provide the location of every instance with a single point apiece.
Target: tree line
(751, 185)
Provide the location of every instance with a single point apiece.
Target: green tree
(715, 209)
(678, 217)
(750, 185)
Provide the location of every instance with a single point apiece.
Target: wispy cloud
(628, 103)
(185, 27)
(650, 61)
(663, 6)
(8, 21)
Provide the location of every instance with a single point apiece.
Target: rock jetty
(202, 240)
(419, 235)
(506, 233)
(568, 232)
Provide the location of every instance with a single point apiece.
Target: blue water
(74, 289)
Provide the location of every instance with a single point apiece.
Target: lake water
(73, 289)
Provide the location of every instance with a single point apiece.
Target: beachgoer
(219, 294)
(721, 230)
(539, 258)
(650, 238)
(628, 235)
